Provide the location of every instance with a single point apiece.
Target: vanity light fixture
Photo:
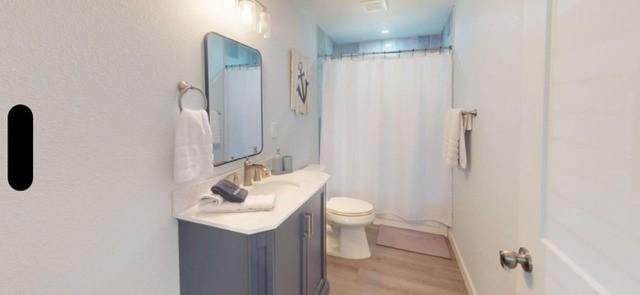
(264, 24)
(230, 5)
(384, 32)
(252, 14)
(248, 13)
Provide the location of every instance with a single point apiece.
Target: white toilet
(347, 218)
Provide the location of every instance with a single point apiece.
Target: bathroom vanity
(279, 252)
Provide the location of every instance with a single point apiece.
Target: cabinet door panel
(315, 248)
(288, 256)
(213, 261)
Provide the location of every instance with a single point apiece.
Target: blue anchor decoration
(302, 92)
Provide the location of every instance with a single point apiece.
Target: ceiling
(346, 21)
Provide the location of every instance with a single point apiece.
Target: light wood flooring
(394, 272)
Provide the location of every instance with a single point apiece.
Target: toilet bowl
(347, 218)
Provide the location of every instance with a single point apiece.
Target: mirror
(234, 89)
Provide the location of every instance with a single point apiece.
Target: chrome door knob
(511, 259)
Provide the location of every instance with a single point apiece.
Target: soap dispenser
(277, 165)
(281, 164)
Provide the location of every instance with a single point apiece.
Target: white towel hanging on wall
(193, 155)
(454, 144)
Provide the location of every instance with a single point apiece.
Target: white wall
(487, 76)
(101, 79)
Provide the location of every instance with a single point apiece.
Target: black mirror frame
(207, 91)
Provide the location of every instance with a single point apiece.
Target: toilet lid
(349, 207)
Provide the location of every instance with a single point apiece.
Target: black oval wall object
(20, 147)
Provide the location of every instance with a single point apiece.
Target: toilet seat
(349, 207)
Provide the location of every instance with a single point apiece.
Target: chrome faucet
(254, 172)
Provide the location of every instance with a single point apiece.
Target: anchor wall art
(300, 83)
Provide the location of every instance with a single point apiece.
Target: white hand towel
(251, 203)
(454, 145)
(211, 200)
(193, 155)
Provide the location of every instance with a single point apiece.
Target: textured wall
(101, 79)
(488, 77)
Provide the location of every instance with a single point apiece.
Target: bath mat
(413, 241)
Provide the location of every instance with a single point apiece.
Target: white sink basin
(277, 188)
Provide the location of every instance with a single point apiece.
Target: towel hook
(184, 87)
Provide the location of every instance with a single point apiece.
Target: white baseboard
(463, 268)
(429, 227)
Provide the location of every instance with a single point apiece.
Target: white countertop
(308, 183)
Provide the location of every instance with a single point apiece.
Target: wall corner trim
(463, 268)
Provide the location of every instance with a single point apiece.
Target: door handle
(308, 223)
(511, 259)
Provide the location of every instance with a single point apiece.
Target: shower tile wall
(420, 42)
(326, 46)
(447, 32)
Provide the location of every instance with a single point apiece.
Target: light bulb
(248, 13)
(265, 30)
(262, 22)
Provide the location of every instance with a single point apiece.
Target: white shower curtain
(382, 124)
(242, 96)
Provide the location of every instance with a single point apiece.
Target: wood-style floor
(394, 272)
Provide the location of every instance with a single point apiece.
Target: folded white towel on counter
(211, 199)
(193, 155)
(251, 203)
(454, 146)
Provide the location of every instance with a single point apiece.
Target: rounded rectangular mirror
(234, 88)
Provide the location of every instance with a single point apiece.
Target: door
(580, 182)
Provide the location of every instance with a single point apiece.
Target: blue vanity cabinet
(289, 260)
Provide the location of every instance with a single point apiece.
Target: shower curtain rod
(241, 66)
(351, 55)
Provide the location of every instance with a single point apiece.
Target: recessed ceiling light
(384, 32)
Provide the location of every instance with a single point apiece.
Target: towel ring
(184, 87)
